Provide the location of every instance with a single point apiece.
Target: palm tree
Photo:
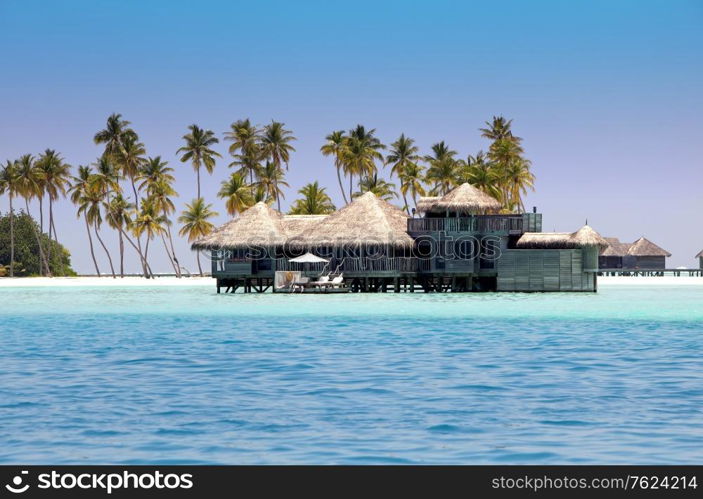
(78, 190)
(361, 153)
(480, 172)
(94, 198)
(411, 181)
(9, 182)
(498, 129)
(198, 150)
(56, 176)
(245, 147)
(195, 223)
(106, 177)
(518, 179)
(381, 188)
(114, 135)
(336, 142)
(236, 193)
(403, 155)
(442, 172)
(30, 186)
(271, 180)
(503, 153)
(117, 217)
(275, 145)
(315, 201)
(131, 160)
(149, 222)
(154, 170)
(160, 193)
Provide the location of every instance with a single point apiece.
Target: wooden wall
(544, 270)
(650, 262)
(610, 262)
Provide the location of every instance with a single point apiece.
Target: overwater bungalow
(700, 259)
(642, 254)
(456, 242)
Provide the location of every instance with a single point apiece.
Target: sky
(606, 95)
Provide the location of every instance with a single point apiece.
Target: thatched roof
(645, 247)
(259, 225)
(297, 225)
(425, 203)
(366, 220)
(586, 236)
(463, 199)
(583, 237)
(615, 247)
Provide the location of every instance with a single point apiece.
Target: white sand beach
(105, 281)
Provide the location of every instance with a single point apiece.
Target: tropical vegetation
(132, 194)
(23, 257)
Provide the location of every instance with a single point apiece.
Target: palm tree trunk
(138, 250)
(197, 171)
(12, 239)
(51, 221)
(139, 237)
(41, 214)
(92, 252)
(341, 188)
(407, 208)
(200, 269)
(146, 255)
(121, 255)
(173, 252)
(48, 249)
(42, 257)
(415, 198)
(102, 243)
(168, 254)
(136, 197)
(351, 186)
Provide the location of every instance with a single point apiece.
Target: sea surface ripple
(182, 375)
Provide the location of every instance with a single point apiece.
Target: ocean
(141, 375)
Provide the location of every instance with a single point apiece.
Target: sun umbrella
(308, 258)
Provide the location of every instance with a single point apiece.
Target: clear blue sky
(607, 95)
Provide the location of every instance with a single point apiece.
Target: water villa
(457, 242)
(642, 254)
(700, 259)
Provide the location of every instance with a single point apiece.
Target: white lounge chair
(321, 281)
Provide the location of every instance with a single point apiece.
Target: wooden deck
(651, 272)
(319, 290)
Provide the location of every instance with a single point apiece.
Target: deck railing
(284, 264)
(351, 264)
(511, 224)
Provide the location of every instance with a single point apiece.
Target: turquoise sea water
(182, 375)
